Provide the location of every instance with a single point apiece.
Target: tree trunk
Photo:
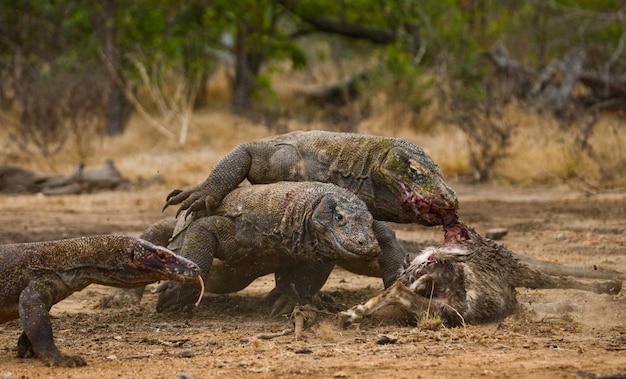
(247, 66)
(118, 107)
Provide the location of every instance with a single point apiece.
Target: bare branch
(132, 98)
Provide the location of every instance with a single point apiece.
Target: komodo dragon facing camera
(35, 276)
(270, 228)
(471, 279)
(397, 180)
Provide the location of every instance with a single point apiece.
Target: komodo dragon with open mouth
(270, 228)
(397, 180)
(35, 276)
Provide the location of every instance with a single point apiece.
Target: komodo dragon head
(411, 187)
(132, 262)
(343, 227)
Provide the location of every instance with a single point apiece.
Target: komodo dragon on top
(270, 228)
(397, 180)
(35, 276)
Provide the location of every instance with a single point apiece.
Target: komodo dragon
(397, 180)
(469, 279)
(35, 276)
(269, 228)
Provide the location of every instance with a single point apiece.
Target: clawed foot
(177, 296)
(192, 199)
(284, 302)
(52, 357)
(65, 361)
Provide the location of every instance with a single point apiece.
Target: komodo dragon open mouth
(428, 211)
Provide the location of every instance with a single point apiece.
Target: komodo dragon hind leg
(297, 285)
(159, 234)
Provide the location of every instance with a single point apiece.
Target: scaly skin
(397, 180)
(468, 279)
(35, 276)
(273, 228)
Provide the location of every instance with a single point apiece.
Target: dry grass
(540, 153)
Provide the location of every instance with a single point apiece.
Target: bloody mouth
(425, 210)
(458, 233)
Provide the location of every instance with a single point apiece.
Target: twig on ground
(268, 336)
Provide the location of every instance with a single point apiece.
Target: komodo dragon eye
(417, 172)
(163, 255)
(339, 219)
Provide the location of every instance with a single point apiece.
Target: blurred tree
(41, 38)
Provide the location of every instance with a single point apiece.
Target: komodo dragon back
(283, 210)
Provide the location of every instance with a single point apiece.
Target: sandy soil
(561, 334)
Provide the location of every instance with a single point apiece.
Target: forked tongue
(201, 291)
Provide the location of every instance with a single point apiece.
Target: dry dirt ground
(561, 334)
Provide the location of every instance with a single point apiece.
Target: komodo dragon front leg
(35, 276)
(316, 273)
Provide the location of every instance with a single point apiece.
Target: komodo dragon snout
(346, 227)
(148, 263)
(420, 189)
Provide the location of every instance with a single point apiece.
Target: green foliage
(403, 80)
(189, 36)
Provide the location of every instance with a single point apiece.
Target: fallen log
(15, 180)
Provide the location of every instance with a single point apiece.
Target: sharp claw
(187, 214)
(172, 198)
(197, 205)
(184, 205)
(172, 194)
(174, 297)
